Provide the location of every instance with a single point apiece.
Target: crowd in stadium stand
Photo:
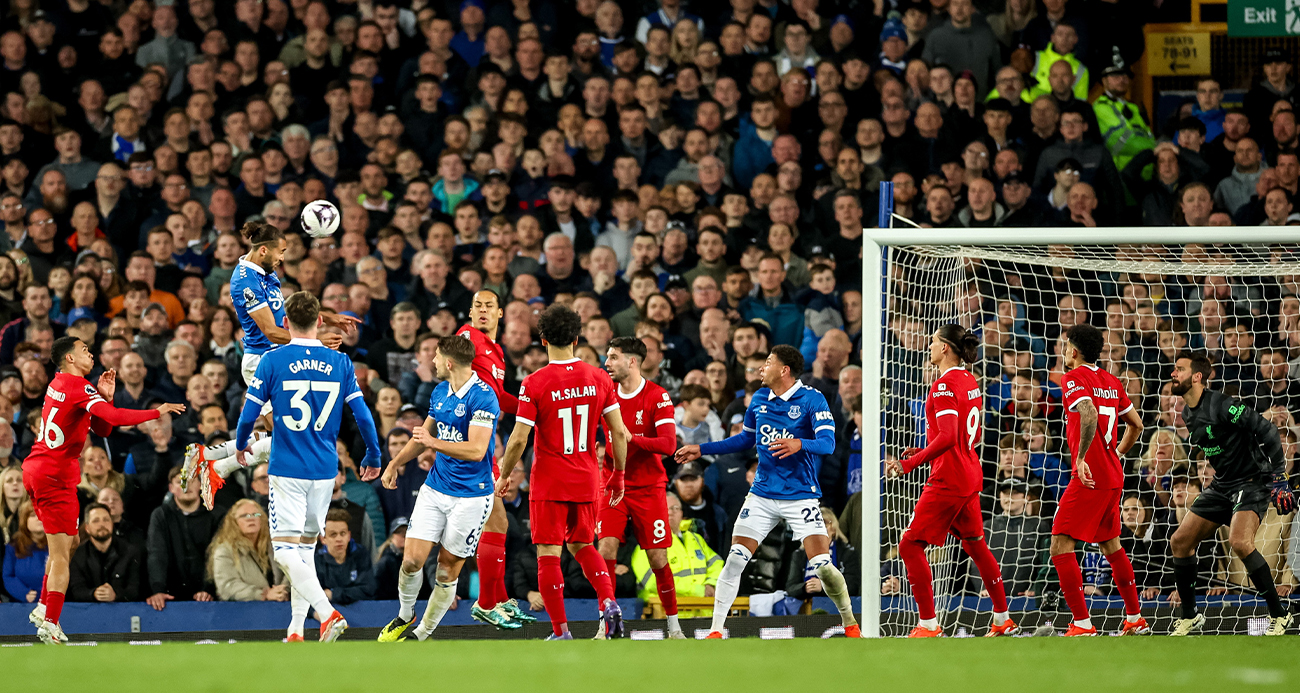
(694, 175)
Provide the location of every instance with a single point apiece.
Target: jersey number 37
(299, 403)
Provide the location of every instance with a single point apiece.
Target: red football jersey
(647, 414)
(565, 402)
(490, 365)
(956, 471)
(1108, 396)
(65, 423)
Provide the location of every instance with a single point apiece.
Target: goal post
(911, 280)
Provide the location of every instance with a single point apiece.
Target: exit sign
(1263, 18)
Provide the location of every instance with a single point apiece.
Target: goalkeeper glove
(1281, 495)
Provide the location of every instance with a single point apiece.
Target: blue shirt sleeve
(485, 410)
(251, 294)
(365, 420)
(823, 425)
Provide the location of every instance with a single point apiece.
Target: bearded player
(647, 412)
(564, 402)
(73, 408)
(1095, 401)
(1249, 463)
(494, 604)
(950, 503)
(259, 305)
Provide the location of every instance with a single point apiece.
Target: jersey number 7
(300, 388)
(1111, 423)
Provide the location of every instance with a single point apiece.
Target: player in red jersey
(494, 604)
(950, 503)
(73, 408)
(1094, 402)
(647, 412)
(565, 402)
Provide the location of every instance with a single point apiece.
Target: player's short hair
(630, 346)
(259, 234)
(1200, 363)
(791, 357)
(963, 341)
(1087, 339)
(559, 325)
(62, 347)
(457, 348)
(490, 292)
(302, 309)
(690, 393)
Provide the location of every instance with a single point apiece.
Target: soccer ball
(320, 219)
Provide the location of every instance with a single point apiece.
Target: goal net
(1153, 293)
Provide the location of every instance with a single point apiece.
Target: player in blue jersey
(791, 425)
(307, 385)
(259, 304)
(456, 498)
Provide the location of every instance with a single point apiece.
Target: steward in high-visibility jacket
(1121, 123)
(694, 566)
(1043, 68)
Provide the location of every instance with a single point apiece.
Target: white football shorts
(759, 515)
(298, 506)
(454, 523)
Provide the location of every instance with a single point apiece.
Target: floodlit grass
(1148, 664)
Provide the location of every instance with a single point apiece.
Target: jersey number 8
(300, 388)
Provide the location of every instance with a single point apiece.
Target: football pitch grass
(1149, 664)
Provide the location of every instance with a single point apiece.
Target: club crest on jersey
(640, 417)
(794, 412)
(460, 409)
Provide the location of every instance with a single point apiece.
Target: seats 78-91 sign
(1264, 18)
(1182, 53)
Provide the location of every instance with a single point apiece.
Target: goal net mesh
(1237, 303)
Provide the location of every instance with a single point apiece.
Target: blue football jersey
(474, 404)
(307, 384)
(800, 413)
(251, 289)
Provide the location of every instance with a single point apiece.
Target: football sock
(1000, 617)
(491, 556)
(989, 571)
(667, 587)
(550, 582)
(1121, 569)
(611, 564)
(408, 590)
(443, 595)
(834, 586)
(302, 575)
(593, 567)
(227, 465)
(44, 581)
(912, 552)
(1071, 578)
(673, 623)
(53, 606)
(1185, 581)
(728, 584)
(1262, 577)
(298, 608)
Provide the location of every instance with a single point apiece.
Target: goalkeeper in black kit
(1249, 472)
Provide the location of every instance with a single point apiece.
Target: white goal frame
(875, 269)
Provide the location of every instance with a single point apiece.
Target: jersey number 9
(299, 403)
(972, 428)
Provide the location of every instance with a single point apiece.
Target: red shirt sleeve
(113, 416)
(660, 415)
(1074, 389)
(509, 403)
(526, 410)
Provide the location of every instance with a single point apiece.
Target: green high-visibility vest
(1122, 128)
(1043, 63)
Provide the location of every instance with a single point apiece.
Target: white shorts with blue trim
(453, 522)
(758, 516)
(248, 366)
(298, 506)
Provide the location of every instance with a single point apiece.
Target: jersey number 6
(300, 388)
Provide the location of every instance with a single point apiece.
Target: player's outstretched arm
(1132, 429)
(738, 443)
(265, 320)
(942, 437)
(514, 451)
(113, 416)
(343, 322)
(366, 422)
(410, 451)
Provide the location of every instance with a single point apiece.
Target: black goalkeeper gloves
(1281, 495)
